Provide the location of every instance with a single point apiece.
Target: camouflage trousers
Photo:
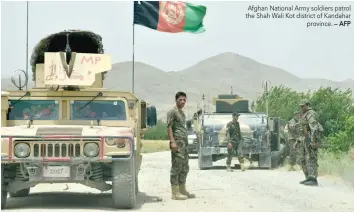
(294, 153)
(308, 160)
(180, 163)
(235, 150)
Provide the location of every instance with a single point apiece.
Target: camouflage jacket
(310, 124)
(233, 131)
(294, 129)
(176, 119)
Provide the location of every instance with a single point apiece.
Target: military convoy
(261, 134)
(68, 128)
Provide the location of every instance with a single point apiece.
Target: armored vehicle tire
(136, 185)
(21, 193)
(200, 158)
(124, 184)
(277, 156)
(3, 188)
(200, 162)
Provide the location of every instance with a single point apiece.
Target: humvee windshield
(102, 110)
(218, 121)
(33, 109)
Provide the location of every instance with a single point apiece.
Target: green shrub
(334, 107)
(343, 139)
(157, 132)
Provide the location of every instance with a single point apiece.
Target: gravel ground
(216, 190)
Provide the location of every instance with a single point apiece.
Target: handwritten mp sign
(84, 68)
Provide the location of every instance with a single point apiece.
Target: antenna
(232, 90)
(67, 49)
(203, 105)
(265, 85)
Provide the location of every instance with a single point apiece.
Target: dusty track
(216, 190)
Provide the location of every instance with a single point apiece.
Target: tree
(343, 140)
(334, 107)
(282, 102)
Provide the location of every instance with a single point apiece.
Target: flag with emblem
(170, 16)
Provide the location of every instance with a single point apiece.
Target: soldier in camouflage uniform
(310, 142)
(233, 133)
(177, 132)
(294, 133)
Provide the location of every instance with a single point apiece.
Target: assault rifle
(307, 140)
(306, 135)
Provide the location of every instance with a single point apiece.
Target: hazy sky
(321, 52)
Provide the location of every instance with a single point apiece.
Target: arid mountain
(211, 76)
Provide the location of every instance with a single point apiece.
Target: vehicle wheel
(200, 158)
(277, 156)
(200, 161)
(3, 188)
(136, 185)
(21, 193)
(275, 159)
(124, 184)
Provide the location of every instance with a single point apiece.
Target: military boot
(183, 191)
(311, 182)
(306, 179)
(228, 168)
(176, 195)
(291, 168)
(243, 168)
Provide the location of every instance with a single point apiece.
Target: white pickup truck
(192, 143)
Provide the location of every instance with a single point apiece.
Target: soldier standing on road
(294, 132)
(234, 147)
(312, 132)
(177, 132)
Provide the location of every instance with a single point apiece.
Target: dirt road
(216, 190)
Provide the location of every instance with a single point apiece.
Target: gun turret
(72, 59)
(229, 103)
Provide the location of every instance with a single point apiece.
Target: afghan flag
(170, 16)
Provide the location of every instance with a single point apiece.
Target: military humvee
(261, 134)
(68, 128)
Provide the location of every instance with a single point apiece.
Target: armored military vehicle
(260, 133)
(68, 128)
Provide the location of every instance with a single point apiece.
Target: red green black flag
(170, 16)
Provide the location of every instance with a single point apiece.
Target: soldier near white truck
(293, 129)
(68, 128)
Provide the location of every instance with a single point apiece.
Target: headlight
(22, 150)
(119, 142)
(110, 141)
(91, 149)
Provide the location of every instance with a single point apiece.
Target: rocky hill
(210, 77)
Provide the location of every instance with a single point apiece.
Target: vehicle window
(217, 122)
(102, 110)
(251, 120)
(33, 109)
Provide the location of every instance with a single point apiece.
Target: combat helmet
(235, 114)
(304, 102)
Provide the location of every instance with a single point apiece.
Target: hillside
(210, 77)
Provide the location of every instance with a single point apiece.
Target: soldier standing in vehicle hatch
(294, 132)
(234, 138)
(312, 132)
(177, 132)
